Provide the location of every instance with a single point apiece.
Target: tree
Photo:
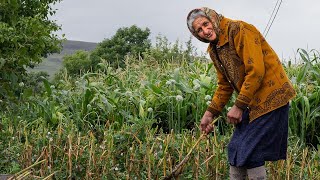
(77, 63)
(26, 36)
(132, 40)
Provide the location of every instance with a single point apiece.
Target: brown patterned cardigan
(246, 63)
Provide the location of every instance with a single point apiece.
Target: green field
(139, 122)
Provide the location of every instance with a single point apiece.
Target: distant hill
(53, 62)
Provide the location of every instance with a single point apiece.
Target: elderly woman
(245, 63)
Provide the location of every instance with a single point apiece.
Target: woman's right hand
(205, 124)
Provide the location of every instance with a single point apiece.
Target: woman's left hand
(234, 116)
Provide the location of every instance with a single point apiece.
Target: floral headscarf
(212, 15)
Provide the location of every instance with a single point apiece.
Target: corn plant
(305, 108)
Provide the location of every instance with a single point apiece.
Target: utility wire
(274, 9)
(266, 32)
(273, 18)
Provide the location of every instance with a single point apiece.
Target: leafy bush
(77, 63)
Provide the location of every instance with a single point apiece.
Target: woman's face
(204, 28)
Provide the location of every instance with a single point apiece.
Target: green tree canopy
(129, 40)
(26, 36)
(77, 63)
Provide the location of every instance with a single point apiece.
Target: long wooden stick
(178, 169)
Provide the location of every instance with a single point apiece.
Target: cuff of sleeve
(241, 105)
(213, 111)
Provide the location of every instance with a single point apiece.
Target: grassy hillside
(54, 62)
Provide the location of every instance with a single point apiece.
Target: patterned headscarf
(212, 15)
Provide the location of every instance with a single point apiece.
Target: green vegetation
(305, 116)
(138, 122)
(26, 35)
(77, 62)
(128, 40)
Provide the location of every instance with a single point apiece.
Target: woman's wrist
(208, 113)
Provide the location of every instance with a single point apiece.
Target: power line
(274, 9)
(273, 18)
(266, 31)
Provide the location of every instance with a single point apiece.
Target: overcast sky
(295, 26)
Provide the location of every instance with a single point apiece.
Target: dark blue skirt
(264, 139)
